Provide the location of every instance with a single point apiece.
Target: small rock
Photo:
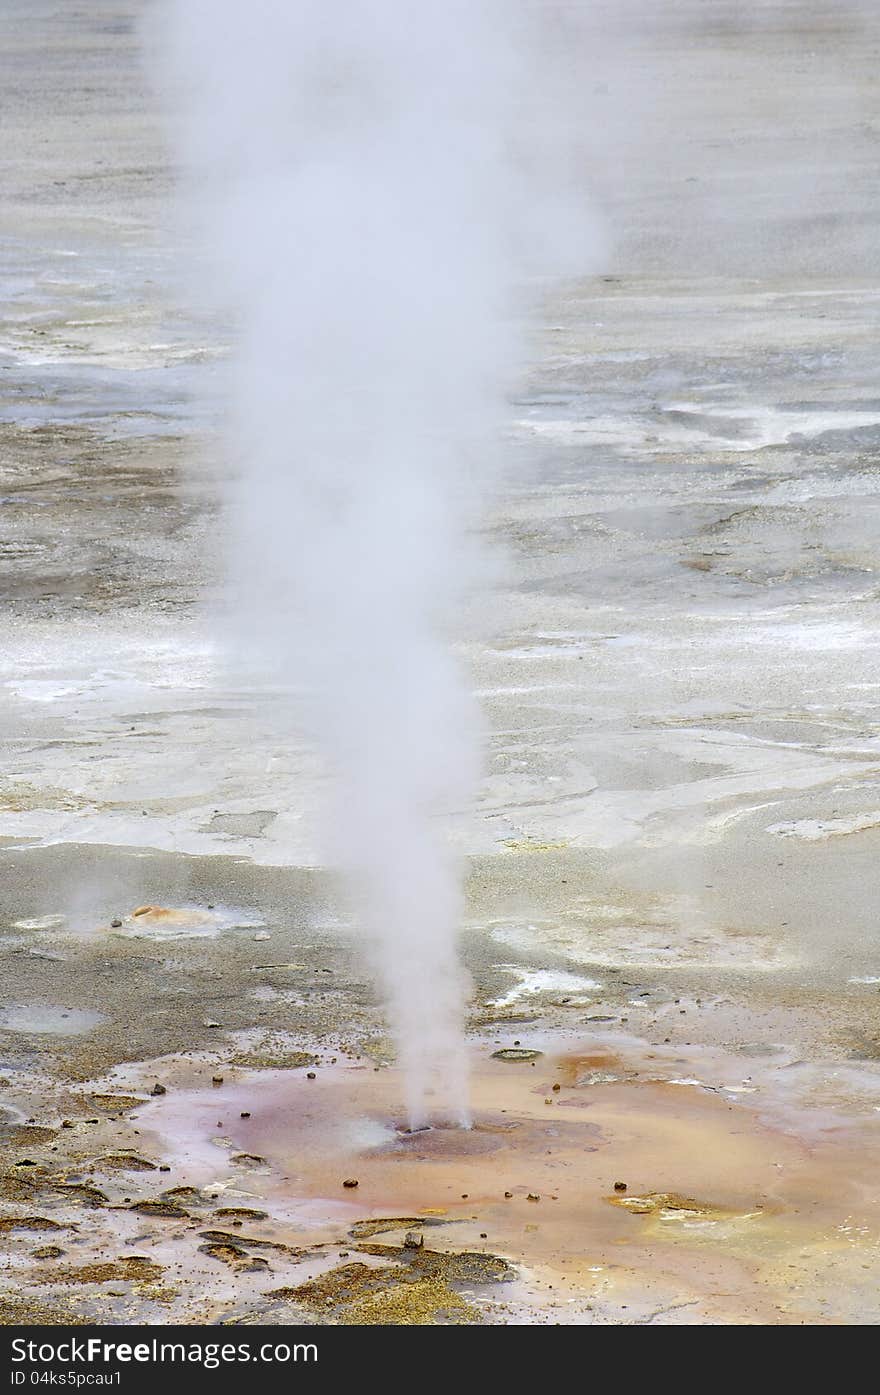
(67, 1123)
(413, 1240)
(216, 1079)
(245, 1114)
(508, 1195)
(310, 1075)
(350, 1182)
(557, 1087)
(164, 1167)
(262, 935)
(532, 1197)
(115, 924)
(620, 1186)
(208, 1023)
(158, 1089)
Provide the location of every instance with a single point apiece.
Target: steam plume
(376, 179)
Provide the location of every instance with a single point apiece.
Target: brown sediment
(169, 1209)
(125, 1162)
(31, 1312)
(10, 1223)
(425, 1302)
(117, 1104)
(235, 1256)
(25, 1135)
(223, 1237)
(268, 1059)
(466, 1266)
(362, 1230)
(134, 1267)
(668, 1205)
(516, 1053)
(361, 1295)
(338, 1286)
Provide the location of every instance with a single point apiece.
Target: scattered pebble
(310, 1075)
(158, 1089)
(557, 1086)
(245, 1114)
(620, 1186)
(532, 1197)
(508, 1195)
(216, 1079)
(115, 924)
(413, 1240)
(350, 1182)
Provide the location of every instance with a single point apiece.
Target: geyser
(374, 182)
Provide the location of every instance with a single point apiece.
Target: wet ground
(672, 868)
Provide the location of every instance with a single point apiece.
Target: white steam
(376, 179)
